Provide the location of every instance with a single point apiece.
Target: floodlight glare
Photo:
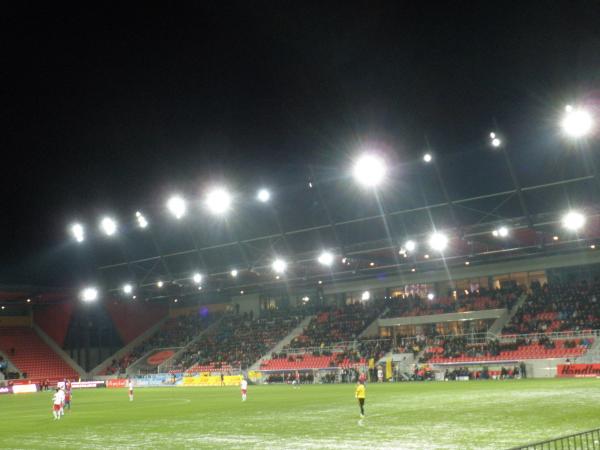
(141, 220)
(160, 284)
(234, 273)
(577, 122)
(326, 258)
(128, 289)
(496, 142)
(177, 206)
(427, 157)
(500, 232)
(573, 220)
(78, 232)
(430, 296)
(218, 201)
(369, 170)
(492, 135)
(263, 195)
(108, 226)
(366, 295)
(305, 299)
(410, 245)
(89, 294)
(279, 266)
(197, 278)
(438, 241)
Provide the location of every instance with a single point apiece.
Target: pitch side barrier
(580, 441)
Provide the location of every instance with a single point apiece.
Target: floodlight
(218, 201)
(427, 157)
(263, 195)
(369, 170)
(492, 135)
(496, 142)
(577, 122)
(78, 232)
(160, 284)
(241, 292)
(320, 281)
(234, 273)
(279, 266)
(410, 245)
(326, 258)
(141, 220)
(128, 288)
(500, 232)
(305, 299)
(89, 294)
(197, 278)
(430, 296)
(108, 226)
(573, 220)
(438, 241)
(366, 295)
(177, 206)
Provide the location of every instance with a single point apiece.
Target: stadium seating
(238, 341)
(311, 362)
(32, 355)
(414, 305)
(558, 307)
(338, 324)
(552, 349)
(175, 332)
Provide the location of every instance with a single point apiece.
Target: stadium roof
(465, 196)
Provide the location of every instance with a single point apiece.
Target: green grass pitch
(436, 415)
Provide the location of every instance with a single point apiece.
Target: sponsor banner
(6, 390)
(578, 370)
(83, 384)
(116, 383)
(157, 380)
(254, 375)
(212, 380)
(24, 388)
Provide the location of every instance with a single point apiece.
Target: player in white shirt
(130, 386)
(57, 403)
(244, 386)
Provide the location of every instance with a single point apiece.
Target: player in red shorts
(130, 385)
(57, 403)
(244, 386)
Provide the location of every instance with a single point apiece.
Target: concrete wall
(450, 317)
(249, 302)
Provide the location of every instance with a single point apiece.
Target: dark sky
(109, 108)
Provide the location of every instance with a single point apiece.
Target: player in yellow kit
(360, 395)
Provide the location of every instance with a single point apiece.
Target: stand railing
(581, 441)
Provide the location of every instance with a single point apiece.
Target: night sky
(109, 108)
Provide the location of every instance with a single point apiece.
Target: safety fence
(580, 441)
